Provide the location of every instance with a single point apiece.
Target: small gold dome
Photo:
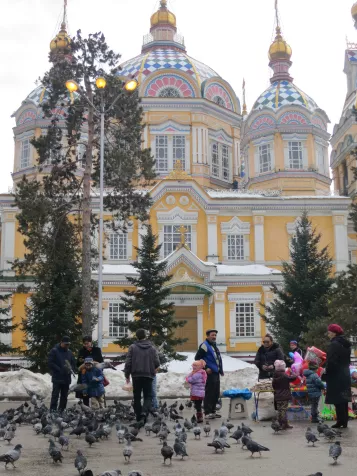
(163, 15)
(279, 49)
(62, 42)
(354, 11)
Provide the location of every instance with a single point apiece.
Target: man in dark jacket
(61, 364)
(337, 376)
(209, 352)
(88, 350)
(141, 364)
(267, 354)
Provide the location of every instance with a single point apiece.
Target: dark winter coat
(210, 353)
(95, 388)
(142, 360)
(95, 353)
(337, 375)
(267, 357)
(313, 383)
(59, 370)
(281, 386)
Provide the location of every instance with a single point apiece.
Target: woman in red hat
(337, 376)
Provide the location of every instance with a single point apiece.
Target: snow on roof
(265, 194)
(118, 269)
(250, 269)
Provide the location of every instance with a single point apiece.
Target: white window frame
(235, 243)
(169, 129)
(245, 319)
(321, 150)
(264, 158)
(221, 161)
(258, 144)
(235, 299)
(235, 227)
(176, 237)
(295, 138)
(107, 299)
(179, 217)
(121, 247)
(296, 160)
(126, 319)
(108, 230)
(162, 163)
(25, 162)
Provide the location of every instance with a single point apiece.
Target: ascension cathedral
(231, 184)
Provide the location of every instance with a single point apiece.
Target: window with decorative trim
(169, 150)
(118, 246)
(296, 155)
(179, 150)
(162, 153)
(221, 161)
(265, 163)
(235, 247)
(25, 153)
(169, 92)
(172, 237)
(117, 317)
(245, 319)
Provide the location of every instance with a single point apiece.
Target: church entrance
(189, 331)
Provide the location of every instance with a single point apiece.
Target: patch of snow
(15, 383)
(250, 269)
(118, 269)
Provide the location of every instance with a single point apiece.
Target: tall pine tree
(303, 297)
(148, 301)
(6, 325)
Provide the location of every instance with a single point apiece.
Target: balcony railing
(149, 38)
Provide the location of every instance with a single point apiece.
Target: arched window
(218, 100)
(169, 93)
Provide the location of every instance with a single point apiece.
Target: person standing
(282, 392)
(337, 375)
(88, 350)
(294, 347)
(197, 380)
(209, 352)
(267, 354)
(141, 364)
(93, 378)
(314, 389)
(61, 364)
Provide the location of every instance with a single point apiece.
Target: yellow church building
(230, 184)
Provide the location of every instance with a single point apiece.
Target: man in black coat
(61, 364)
(267, 354)
(337, 375)
(88, 350)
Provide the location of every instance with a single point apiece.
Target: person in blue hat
(93, 378)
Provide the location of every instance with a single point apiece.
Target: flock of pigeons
(99, 425)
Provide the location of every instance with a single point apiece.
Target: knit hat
(293, 342)
(280, 365)
(198, 364)
(88, 360)
(336, 329)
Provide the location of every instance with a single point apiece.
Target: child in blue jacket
(93, 378)
(314, 389)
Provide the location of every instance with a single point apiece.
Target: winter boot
(199, 417)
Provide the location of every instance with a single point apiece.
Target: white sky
(230, 36)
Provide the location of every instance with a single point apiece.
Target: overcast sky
(231, 36)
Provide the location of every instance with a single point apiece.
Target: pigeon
(217, 445)
(245, 439)
(54, 452)
(188, 425)
(180, 448)
(254, 447)
(80, 463)
(316, 474)
(230, 426)
(310, 437)
(90, 439)
(237, 435)
(9, 435)
(207, 428)
(167, 452)
(197, 432)
(11, 456)
(329, 434)
(335, 451)
(321, 427)
(182, 436)
(135, 473)
(188, 404)
(88, 472)
(246, 430)
(128, 451)
(115, 472)
(223, 430)
(275, 425)
(181, 408)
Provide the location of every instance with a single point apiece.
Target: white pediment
(235, 226)
(177, 216)
(200, 268)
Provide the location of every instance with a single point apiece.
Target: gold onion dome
(62, 42)
(354, 11)
(279, 49)
(163, 16)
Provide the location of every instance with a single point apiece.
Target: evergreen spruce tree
(147, 301)
(303, 297)
(6, 326)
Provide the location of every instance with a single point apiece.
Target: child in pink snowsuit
(197, 379)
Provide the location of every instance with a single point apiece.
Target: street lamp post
(101, 83)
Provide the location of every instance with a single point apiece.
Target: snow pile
(250, 269)
(14, 384)
(184, 367)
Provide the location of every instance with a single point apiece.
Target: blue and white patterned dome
(148, 63)
(284, 93)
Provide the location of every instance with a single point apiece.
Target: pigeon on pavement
(329, 434)
(275, 425)
(180, 448)
(310, 436)
(316, 474)
(115, 472)
(245, 439)
(335, 451)
(63, 441)
(90, 439)
(128, 451)
(54, 452)
(254, 447)
(80, 462)
(237, 435)
(197, 432)
(246, 430)
(207, 428)
(135, 473)
(167, 452)
(321, 427)
(11, 456)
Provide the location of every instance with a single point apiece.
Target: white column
(8, 231)
(341, 239)
(199, 146)
(200, 336)
(212, 236)
(258, 218)
(220, 316)
(206, 146)
(194, 145)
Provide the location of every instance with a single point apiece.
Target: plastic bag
(245, 393)
(127, 387)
